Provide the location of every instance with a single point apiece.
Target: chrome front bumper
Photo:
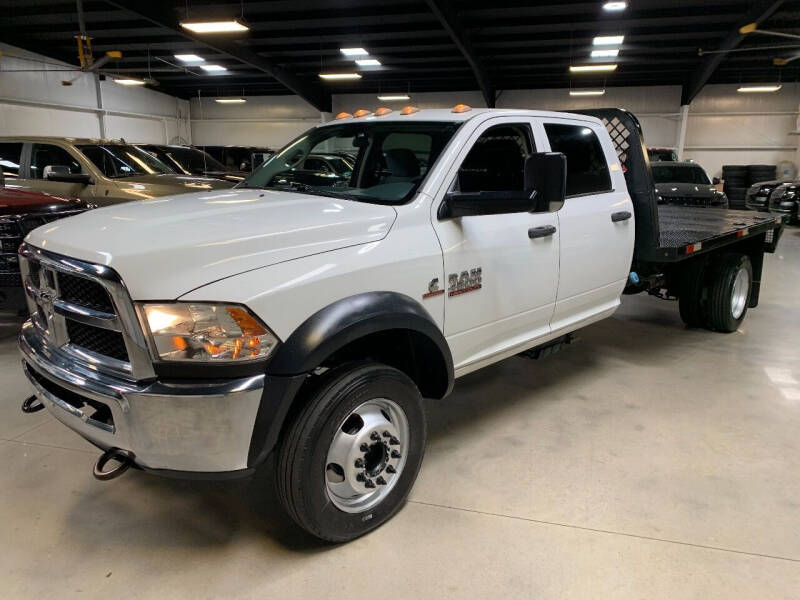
(203, 427)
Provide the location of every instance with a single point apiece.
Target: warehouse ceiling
(422, 45)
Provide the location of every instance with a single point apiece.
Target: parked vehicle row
(308, 320)
(781, 197)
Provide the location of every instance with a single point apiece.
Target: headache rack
(669, 233)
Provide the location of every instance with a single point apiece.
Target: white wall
(34, 102)
(269, 121)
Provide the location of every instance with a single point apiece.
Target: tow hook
(32, 404)
(123, 457)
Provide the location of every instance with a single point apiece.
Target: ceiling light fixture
(590, 68)
(605, 53)
(745, 89)
(353, 51)
(230, 26)
(230, 100)
(586, 92)
(368, 62)
(190, 58)
(393, 97)
(129, 81)
(612, 6)
(608, 40)
(339, 76)
(213, 68)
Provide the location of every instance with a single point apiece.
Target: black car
(240, 158)
(785, 200)
(758, 194)
(193, 161)
(685, 184)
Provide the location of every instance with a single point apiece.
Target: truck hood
(144, 187)
(167, 246)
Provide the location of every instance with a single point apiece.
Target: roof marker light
(409, 110)
(382, 111)
(343, 115)
(361, 112)
(461, 108)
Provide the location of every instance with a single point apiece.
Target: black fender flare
(349, 319)
(320, 336)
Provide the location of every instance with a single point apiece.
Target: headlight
(184, 331)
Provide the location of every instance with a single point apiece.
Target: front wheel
(348, 460)
(729, 292)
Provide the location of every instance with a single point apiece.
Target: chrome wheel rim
(367, 455)
(741, 289)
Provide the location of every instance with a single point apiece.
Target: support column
(682, 131)
(101, 113)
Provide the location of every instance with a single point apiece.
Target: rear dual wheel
(348, 460)
(716, 295)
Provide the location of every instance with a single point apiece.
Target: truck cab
(201, 334)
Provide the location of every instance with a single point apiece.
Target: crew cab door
(500, 280)
(596, 223)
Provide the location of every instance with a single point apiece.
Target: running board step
(550, 347)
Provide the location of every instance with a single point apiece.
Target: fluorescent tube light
(128, 81)
(213, 68)
(758, 88)
(230, 100)
(190, 58)
(339, 76)
(586, 92)
(353, 51)
(368, 62)
(215, 26)
(605, 53)
(612, 6)
(393, 97)
(608, 40)
(591, 68)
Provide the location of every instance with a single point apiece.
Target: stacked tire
(736, 179)
(759, 173)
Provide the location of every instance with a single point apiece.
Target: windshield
(389, 160)
(680, 175)
(118, 160)
(189, 161)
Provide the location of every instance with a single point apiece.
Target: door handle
(540, 232)
(620, 216)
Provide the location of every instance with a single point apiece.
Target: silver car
(100, 172)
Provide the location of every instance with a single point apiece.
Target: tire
(326, 426)
(690, 295)
(729, 284)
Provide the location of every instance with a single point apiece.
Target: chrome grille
(83, 310)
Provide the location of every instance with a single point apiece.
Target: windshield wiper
(310, 189)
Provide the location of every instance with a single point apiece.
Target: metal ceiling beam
(155, 13)
(447, 16)
(758, 13)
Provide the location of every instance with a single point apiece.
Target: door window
(496, 161)
(315, 164)
(48, 155)
(587, 171)
(10, 154)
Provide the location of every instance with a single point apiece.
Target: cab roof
(447, 114)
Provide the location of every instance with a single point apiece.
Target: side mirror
(715, 181)
(545, 187)
(62, 173)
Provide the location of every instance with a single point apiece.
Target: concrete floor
(647, 461)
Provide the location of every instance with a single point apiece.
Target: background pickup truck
(307, 322)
